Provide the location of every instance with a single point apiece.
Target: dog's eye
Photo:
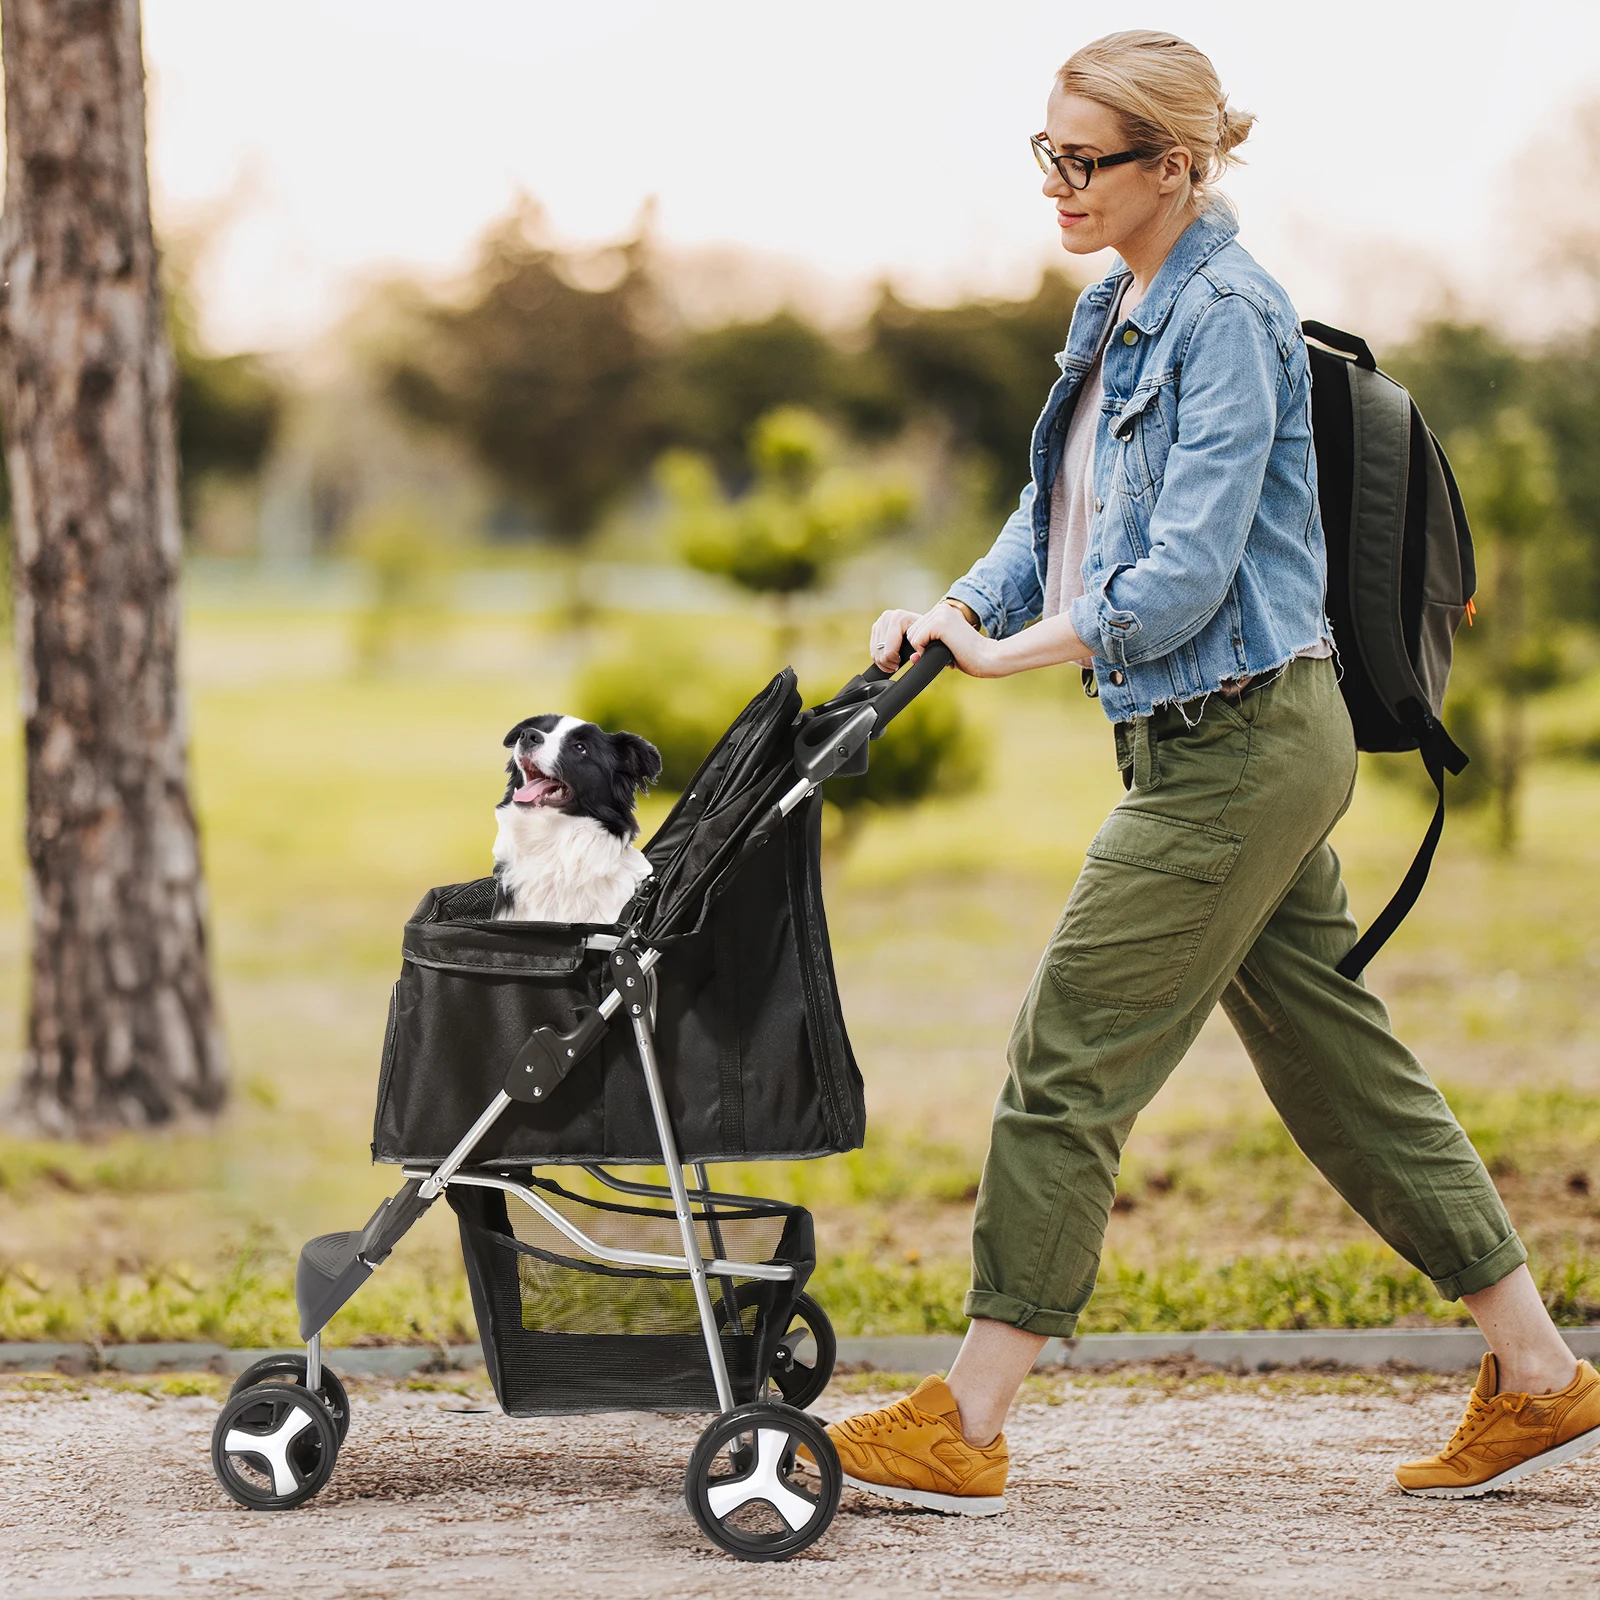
(579, 747)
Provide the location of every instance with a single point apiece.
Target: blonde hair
(1166, 93)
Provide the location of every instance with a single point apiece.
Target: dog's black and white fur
(564, 851)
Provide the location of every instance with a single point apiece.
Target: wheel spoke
(795, 1508)
(272, 1447)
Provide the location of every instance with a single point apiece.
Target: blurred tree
(122, 1029)
(682, 697)
(1461, 374)
(802, 515)
(229, 406)
(1564, 396)
(927, 751)
(553, 382)
(983, 367)
(404, 557)
(1507, 485)
(724, 380)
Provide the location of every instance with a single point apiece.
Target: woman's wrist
(965, 610)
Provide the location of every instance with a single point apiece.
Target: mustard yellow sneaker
(913, 1451)
(1504, 1437)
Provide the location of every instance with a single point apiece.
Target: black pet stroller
(499, 1059)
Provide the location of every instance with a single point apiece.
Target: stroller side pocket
(386, 1066)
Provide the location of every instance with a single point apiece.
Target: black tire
(299, 1446)
(743, 1488)
(802, 1364)
(803, 1361)
(289, 1368)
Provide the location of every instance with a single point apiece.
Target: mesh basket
(564, 1333)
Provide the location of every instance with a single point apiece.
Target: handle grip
(894, 699)
(1351, 344)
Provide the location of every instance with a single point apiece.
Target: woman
(1169, 539)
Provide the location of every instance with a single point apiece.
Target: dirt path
(1120, 1487)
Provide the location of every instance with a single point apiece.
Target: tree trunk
(121, 1027)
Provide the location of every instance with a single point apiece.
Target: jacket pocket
(1140, 909)
(1141, 427)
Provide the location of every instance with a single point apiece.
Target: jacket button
(1116, 678)
(1130, 336)
(1099, 504)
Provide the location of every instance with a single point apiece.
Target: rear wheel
(289, 1368)
(803, 1362)
(274, 1446)
(745, 1490)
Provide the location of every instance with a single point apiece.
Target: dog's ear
(516, 733)
(637, 759)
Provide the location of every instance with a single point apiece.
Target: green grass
(331, 799)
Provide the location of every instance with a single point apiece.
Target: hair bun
(1233, 128)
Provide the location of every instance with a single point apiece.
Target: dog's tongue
(535, 790)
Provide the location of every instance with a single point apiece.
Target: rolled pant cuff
(1484, 1273)
(1030, 1319)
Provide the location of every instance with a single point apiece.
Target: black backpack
(1400, 576)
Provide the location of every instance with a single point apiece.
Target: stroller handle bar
(904, 689)
(833, 738)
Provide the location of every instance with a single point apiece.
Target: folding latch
(549, 1055)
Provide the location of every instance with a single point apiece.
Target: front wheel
(289, 1368)
(745, 1491)
(273, 1446)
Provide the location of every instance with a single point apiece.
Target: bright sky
(862, 136)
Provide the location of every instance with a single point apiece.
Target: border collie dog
(565, 851)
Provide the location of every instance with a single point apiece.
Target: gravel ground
(1152, 1483)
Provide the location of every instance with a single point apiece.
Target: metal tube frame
(771, 1271)
(699, 1268)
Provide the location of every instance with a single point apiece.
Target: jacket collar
(1196, 244)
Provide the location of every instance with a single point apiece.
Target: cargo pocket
(1140, 908)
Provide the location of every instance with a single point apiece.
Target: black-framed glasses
(1075, 171)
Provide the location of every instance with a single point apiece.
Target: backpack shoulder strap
(1381, 415)
(1440, 754)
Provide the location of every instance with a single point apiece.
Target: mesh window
(562, 1332)
(563, 1292)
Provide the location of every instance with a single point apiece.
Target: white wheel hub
(273, 1448)
(763, 1482)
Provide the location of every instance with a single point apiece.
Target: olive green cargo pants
(1213, 880)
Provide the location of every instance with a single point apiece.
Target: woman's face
(1120, 203)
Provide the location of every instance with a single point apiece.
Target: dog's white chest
(559, 868)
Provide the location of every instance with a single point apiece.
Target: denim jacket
(1205, 558)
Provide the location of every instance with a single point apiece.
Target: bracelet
(964, 609)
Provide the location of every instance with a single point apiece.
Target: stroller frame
(272, 1421)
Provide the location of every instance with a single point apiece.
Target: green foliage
(247, 1302)
(981, 368)
(1503, 466)
(1564, 395)
(802, 514)
(229, 406)
(128, 1165)
(927, 750)
(406, 561)
(548, 369)
(722, 380)
(567, 373)
(672, 698)
(1462, 375)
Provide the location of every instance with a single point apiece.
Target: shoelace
(1478, 1414)
(902, 1414)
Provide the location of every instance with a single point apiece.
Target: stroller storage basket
(562, 1333)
